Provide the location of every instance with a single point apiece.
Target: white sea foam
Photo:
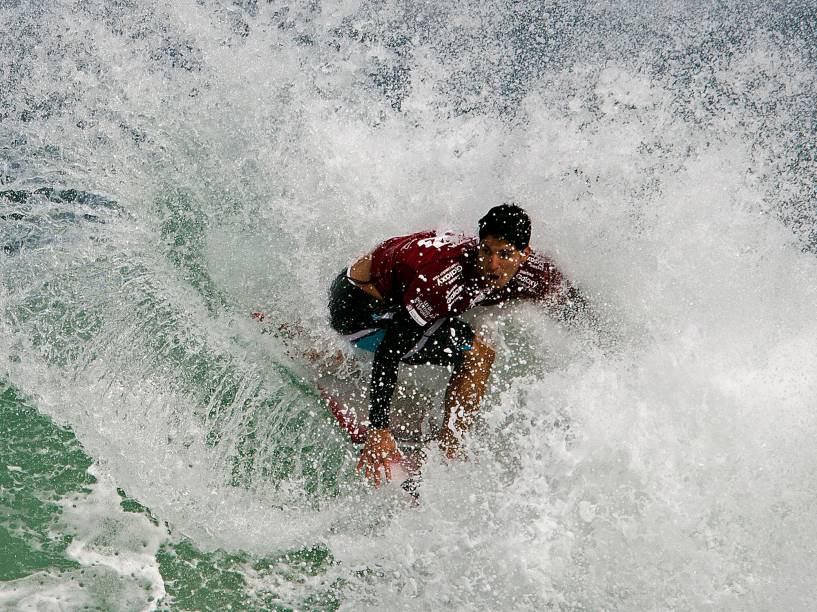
(116, 551)
(670, 468)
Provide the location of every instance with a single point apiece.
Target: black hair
(507, 221)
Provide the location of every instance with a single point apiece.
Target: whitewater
(166, 169)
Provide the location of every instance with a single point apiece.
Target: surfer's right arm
(380, 448)
(400, 338)
(379, 452)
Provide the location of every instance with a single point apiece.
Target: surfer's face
(498, 260)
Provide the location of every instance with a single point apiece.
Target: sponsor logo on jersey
(526, 281)
(440, 240)
(414, 315)
(422, 308)
(452, 294)
(537, 262)
(452, 272)
(478, 297)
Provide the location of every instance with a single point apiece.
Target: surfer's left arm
(571, 305)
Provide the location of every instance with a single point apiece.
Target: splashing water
(168, 168)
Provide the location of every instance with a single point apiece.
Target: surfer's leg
(351, 310)
(356, 316)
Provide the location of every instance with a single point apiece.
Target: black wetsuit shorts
(364, 321)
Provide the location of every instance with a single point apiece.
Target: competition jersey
(433, 276)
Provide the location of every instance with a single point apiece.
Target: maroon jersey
(433, 276)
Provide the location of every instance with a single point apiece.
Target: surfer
(402, 302)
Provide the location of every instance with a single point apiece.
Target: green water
(45, 466)
(40, 463)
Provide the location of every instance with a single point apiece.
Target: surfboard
(415, 412)
(347, 399)
(346, 418)
(406, 471)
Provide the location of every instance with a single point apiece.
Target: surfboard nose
(345, 418)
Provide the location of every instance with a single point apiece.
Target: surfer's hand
(258, 316)
(449, 444)
(379, 452)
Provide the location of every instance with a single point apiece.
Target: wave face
(168, 168)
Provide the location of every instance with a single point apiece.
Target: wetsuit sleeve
(400, 337)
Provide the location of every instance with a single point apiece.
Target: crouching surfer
(402, 302)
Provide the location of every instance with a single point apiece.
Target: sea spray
(227, 159)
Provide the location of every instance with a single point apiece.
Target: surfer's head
(507, 221)
(504, 234)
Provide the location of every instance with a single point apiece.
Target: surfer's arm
(401, 336)
(573, 304)
(380, 449)
(553, 290)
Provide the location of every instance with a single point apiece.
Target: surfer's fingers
(387, 469)
(365, 464)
